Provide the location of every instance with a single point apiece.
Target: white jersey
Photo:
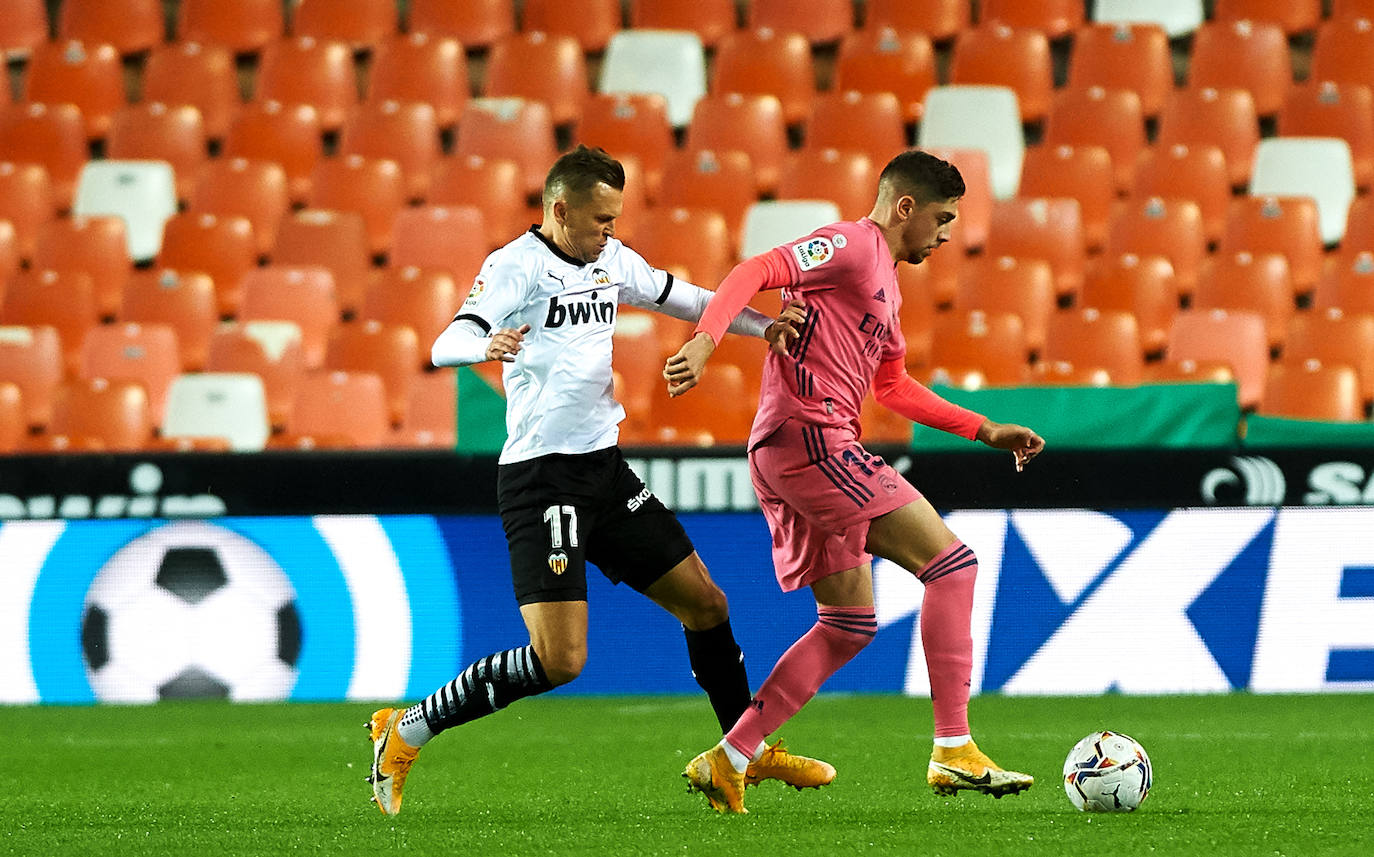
(558, 389)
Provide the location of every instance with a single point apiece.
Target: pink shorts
(819, 490)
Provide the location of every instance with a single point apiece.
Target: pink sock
(838, 635)
(946, 635)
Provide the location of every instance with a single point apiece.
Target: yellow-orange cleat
(712, 774)
(799, 772)
(391, 760)
(953, 769)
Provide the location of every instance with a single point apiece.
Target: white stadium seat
(669, 62)
(143, 193)
(978, 117)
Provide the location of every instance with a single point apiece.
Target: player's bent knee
(708, 611)
(564, 665)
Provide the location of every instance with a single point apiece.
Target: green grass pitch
(569, 775)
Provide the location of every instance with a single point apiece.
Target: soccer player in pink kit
(830, 504)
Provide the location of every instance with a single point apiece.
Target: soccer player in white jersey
(545, 305)
(831, 504)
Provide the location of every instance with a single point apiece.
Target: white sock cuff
(953, 741)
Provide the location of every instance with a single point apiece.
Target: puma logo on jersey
(579, 312)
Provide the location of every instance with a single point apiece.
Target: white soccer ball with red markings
(1107, 772)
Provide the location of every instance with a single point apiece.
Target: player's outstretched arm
(1023, 443)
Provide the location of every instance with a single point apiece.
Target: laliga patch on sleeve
(479, 285)
(813, 253)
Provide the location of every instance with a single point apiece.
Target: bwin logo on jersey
(579, 312)
(1263, 481)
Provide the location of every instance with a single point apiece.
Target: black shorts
(562, 511)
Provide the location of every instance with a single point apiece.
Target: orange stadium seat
(938, 276)
(1188, 371)
(221, 246)
(406, 133)
(1312, 390)
(721, 412)
(1293, 16)
(1225, 118)
(113, 414)
(1347, 284)
(9, 254)
(1218, 335)
(1329, 109)
(884, 60)
(12, 424)
(242, 26)
(308, 71)
(767, 62)
(431, 415)
(752, 124)
(1254, 282)
(721, 181)
(510, 128)
(270, 350)
(1094, 339)
(1049, 228)
(637, 373)
(363, 24)
(301, 294)
(1352, 9)
(1006, 284)
(711, 20)
(390, 350)
(867, 122)
(334, 240)
(196, 75)
(350, 406)
(1273, 224)
(590, 22)
(691, 243)
(146, 354)
(1133, 56)
(941, 20)
(96, 245)
(996, 55)
(132, 26)
(24, 27)
(88, 75)
(978, 349)
(424, 300)
(420, 67)
(1141, 285)
(821, 22)
(1359, 228)
(539, 67)
(975, 206)
(846, 178)
(1054, 18)
(1182, 171)
(493, 185)
(1335, 338)
(1342, 50)
(27, 201)
(439, 236)
(1110, 118)
(474, 23)
(630, 123)
(373, 187)
(1083, 173)
(1171, 228)
(915, 316)
(62, 300)
(51, 136)
(153, 131)
(181, 300)
(31, 358)
(289, 136)
(1249, 55)
(238, 187)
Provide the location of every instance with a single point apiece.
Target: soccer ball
(1107, 772)
(190, 610)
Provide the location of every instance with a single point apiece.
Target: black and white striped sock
(487, 685)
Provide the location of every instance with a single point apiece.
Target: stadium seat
(1055, 18)
(88, 75)
(590, 22)
(1236, 338)
(1007, 284)
(938, 276)
(975, 206)
(24, 27)
(222, 247)
(1124, 56)
(1254, 282)
(1110, 118)
(1095, 339)
(1293, 16)
(1188, 371)
(12, 423)
(349, 405)
(1347, 284)
(474, 23)
(319, 74)
(390, 350)
(198, 75)
(301, 294)
(820, 22)
(181, 300)
(1335, 338)
(96, 245)
(31, 359)
(439, 237)
(753, 124)
(9, 253)
(406, 133)
(708, 20)
(917, 312)
(977, 117)
(361, 24)
(1319, 167)
(720, 181)
(770, 223)
(141, 193)
(238, 187)
(424, 300)
(1351, 9)
(230, 405)
(1272, 224)
(638, 373)
(1248, 55)
(132, 26)
(1342, 50)
(846, 178)
(1329, 109)
(27, 201)
(1176, 17)
(766, 62)
(493, 185)
(372, 187)
(153, 131)
(540, 67)
(334, 240)
(424, 68)
(1312, 390)
(289, 136)
(941, 20)
(242, 26)
(882, 60)
(431, 415)
(977, 349)
(146, 354)
(510, 128)
(52, 136)
(669, 62)
(1141, 285)
(691, 243)
(867, 122)
(997, 55)
(1157, 226)
(725, 416)
(63, 300)
(113, 413)
(1181, 171)
(1083, 173)
(1049, 228)
(630, 123)
(270, 350)
(1224, 118)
